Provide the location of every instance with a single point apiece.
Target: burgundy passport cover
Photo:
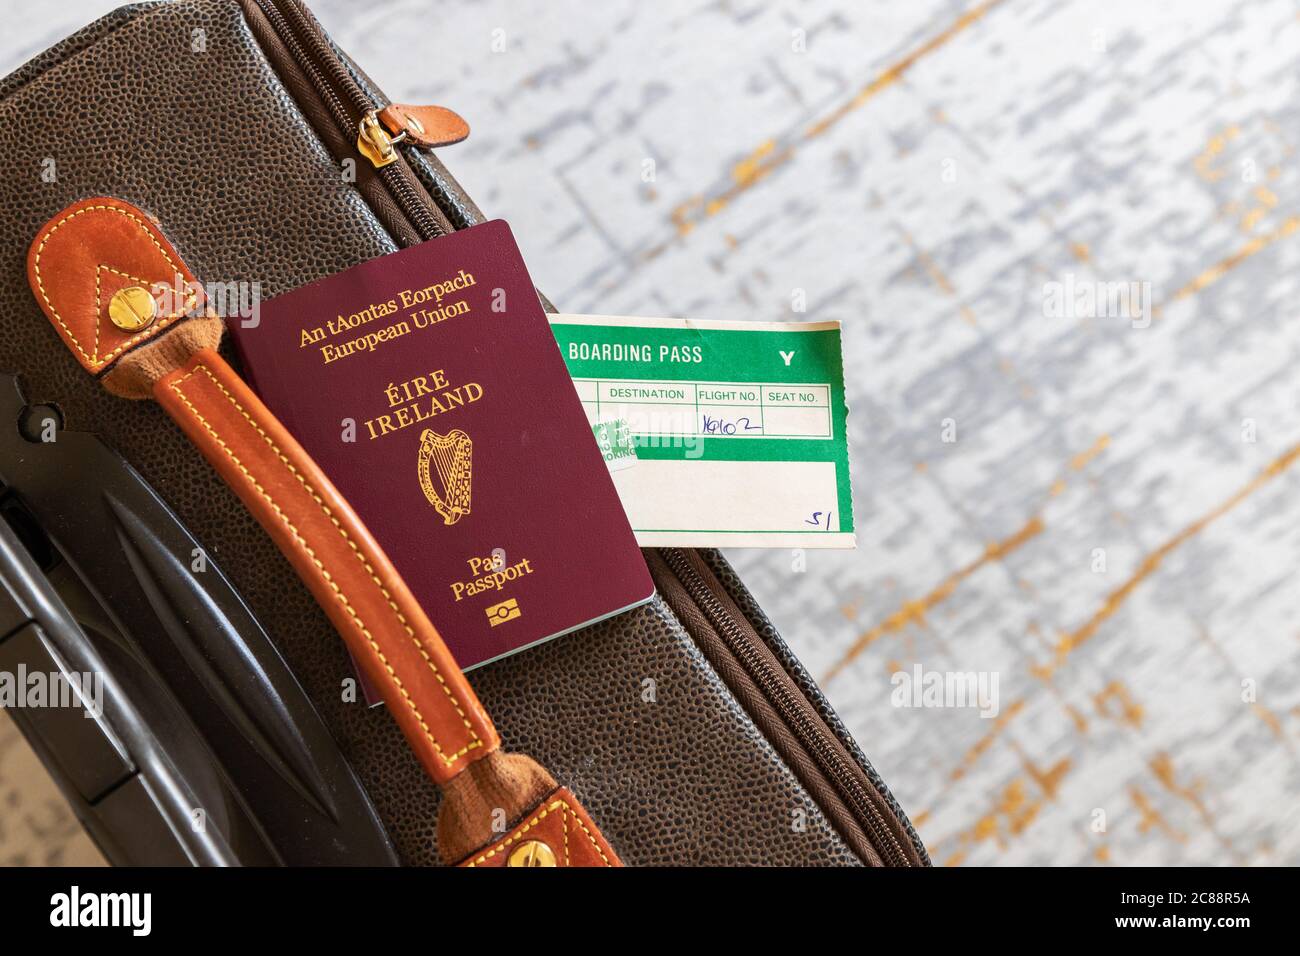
(427, 385)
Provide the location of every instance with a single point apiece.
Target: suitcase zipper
(791, 703)
(350, 106)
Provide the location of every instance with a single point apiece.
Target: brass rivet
(532, 853)
(132, 309)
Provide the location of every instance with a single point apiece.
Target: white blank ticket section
(738, 428)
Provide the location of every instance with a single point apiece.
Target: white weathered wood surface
(923, 171)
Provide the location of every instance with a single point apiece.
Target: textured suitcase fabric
(214, 145)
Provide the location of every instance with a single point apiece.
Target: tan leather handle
(336, 557)
(131, 313)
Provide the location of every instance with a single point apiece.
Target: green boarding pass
(718, 433)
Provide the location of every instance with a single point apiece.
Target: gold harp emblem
(444, 465)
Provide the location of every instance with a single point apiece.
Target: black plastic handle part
(207, 752)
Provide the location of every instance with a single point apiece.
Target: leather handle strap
(336, 557)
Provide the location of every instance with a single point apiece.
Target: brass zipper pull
(373, 141)
(427, 126)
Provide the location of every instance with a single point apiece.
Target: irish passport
(429, 388)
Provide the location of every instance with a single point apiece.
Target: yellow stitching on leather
(419, 645)
(564, 821)
(95, 361)
(500, 847)
(590, 836)
(176, 386)
(312, 554)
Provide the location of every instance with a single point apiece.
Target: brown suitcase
(734, 758)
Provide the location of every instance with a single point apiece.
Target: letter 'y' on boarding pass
(718, 434)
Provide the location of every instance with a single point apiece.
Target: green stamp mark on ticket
(738, 428)
(614, 437)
